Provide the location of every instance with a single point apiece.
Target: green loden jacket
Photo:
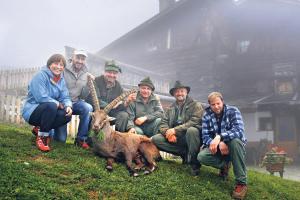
(192, 113)
(152, 109)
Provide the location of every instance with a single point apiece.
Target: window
(284, 87)
(242, 46)
(265, 124)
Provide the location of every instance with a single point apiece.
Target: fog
(32, 30)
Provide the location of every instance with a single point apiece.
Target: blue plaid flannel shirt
(232, 125)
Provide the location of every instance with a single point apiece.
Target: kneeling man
(224, 139)
(180, 127)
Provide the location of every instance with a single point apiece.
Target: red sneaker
(35, 130)
(42, 143)
(239, 191)
(81, 143)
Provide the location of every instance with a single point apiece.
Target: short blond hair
(214, 95)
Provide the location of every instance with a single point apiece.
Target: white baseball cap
(80, 52)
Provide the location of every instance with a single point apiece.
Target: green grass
(68, 172)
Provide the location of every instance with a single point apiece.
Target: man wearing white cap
(76, 79)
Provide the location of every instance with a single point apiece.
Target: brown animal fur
(116, 143)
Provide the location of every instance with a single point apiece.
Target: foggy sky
(32, 30)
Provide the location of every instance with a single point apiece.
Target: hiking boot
(239, 191)
(224, 171)
(42, 143)
(195, 169)
(81, 143)
(184, 159)
(35, 130)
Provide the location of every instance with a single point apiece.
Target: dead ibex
(114, 143)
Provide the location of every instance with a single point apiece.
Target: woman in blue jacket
(48, 104)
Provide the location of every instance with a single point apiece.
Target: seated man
(108, 88)
(76, 79)
(180, 127)
(146, 111)
(223, 137)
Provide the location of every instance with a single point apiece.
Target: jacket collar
(212, 114)
(70, 69)
(186, 103)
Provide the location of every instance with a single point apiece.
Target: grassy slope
(68, 172)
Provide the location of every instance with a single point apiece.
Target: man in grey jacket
(76, 79)
(180, 127)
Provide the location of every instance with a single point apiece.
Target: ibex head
(99, 120)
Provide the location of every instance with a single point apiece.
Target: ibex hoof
(147, 172)
(135, 174)
(109, 168)
(153, 168)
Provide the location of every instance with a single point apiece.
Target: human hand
(119, 103)
(223, 148)
(131, 98)
(213, 147)
(69, 111)
(60, 106)
(172, 139)
(132, 130)
(169, 134)
(139, 121)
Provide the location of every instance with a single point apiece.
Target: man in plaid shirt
(224, 141)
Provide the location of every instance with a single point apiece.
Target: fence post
(7, 108)
(18, 110)
(2, 104)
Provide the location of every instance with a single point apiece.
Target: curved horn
(108, 108)
(93, 92)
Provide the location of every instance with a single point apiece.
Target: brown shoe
(224, 171)
(239, 191)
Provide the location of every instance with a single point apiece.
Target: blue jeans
(82, 109)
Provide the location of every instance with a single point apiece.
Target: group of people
(213, 136)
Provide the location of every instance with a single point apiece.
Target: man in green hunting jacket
(180, 129)
(108, 88)
(145, 112)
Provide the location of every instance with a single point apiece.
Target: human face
(180, 95)
(145, 91)
(78, 61)
(111, 76)
(57, 68)
(216, 105)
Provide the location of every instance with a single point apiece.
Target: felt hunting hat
(112, 66)
(177, 85)
(147, 81)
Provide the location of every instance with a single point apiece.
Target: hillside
(68, 172)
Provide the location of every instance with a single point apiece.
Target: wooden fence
(16, 78)
(10, 112)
